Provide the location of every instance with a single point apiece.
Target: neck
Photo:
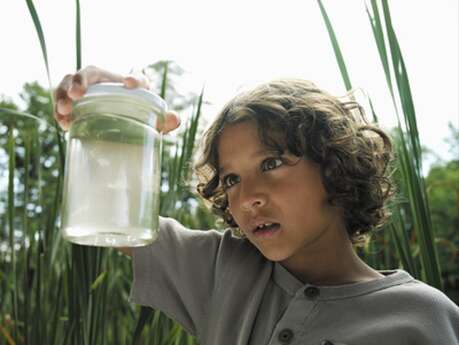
(330, 266)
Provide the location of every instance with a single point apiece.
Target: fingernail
(130, 82)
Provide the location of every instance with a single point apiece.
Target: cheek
(299, 196)
(229, 198)
(282, 188)
(231, 203)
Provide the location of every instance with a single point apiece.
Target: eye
(271, 163)
(268, 164)
(229, 180)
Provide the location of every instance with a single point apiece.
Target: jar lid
(139, 104)
(117, 89)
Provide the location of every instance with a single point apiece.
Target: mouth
(266, 230)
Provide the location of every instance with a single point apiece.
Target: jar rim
(117, 89)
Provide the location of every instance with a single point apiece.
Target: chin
(273, 255)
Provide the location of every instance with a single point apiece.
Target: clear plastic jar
(113, 168)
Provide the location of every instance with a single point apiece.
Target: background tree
(443, 191)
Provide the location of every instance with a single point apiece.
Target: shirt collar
(294, 286)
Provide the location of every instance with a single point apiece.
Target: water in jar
(113, 170)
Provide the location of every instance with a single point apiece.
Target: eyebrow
(262, 152)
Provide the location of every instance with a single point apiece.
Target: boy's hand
(73, 87)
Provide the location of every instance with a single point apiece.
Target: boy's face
(261, 188)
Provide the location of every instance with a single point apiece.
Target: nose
(251, 198)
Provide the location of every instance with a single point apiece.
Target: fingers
(88, 76)
(171, 119)
(171, 122)
(73, 87)
(63, 105)
(133, 81)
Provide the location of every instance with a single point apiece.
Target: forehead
(238, 141)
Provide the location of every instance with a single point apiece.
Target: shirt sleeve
(176, 274)
(439, 323)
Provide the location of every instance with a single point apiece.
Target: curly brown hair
(295, 115)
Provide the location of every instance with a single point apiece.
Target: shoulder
(424, 312)
(172, 227)
(224, 242)
(422, 294)
(230, 255)
(427, 305)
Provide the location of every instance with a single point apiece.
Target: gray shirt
(221, 289)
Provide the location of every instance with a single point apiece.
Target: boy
(299, 180)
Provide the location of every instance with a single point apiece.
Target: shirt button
(326, 342)
(311, 292)
(285, 336)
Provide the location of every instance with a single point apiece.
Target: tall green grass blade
(173, 171)
(11, 217)
(412, 155)
(12, 115)
(375, 117)
(378, 34)
(56, 311)
(181, 160)
(144, 318)
(403, 85)
(401, 242)
(164, 81)
(179, 166)
(78, 36)
(41, 36)
(194, 127)
(336, 48)
(166, 201)
(99, 280)
(38, 296)
(421, 219)
(398, 232)
(26, 232)
(408, 154)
